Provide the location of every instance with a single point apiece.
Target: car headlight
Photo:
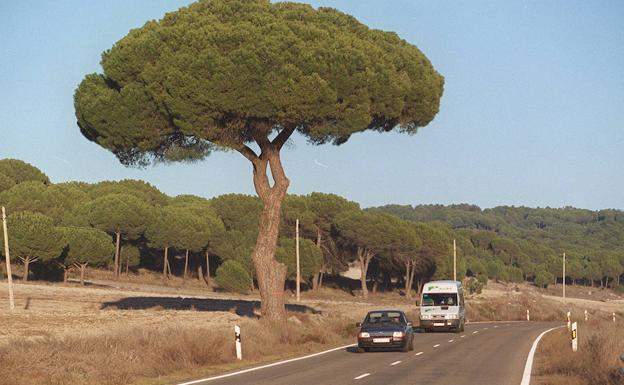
(398, 334)
(364, 335)
(451, 316)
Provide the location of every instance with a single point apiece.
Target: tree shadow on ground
(241, 307)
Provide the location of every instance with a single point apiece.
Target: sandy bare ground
(57, 310)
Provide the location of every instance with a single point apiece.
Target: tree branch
(283, 136)
(248, 153)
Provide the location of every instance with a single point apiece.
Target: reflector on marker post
(237, 337)
(574, 338)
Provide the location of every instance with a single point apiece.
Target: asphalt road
(485, 354)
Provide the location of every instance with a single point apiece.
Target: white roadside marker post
(586, 316)
(237, 336)
(574, 338)
(569, 322)
(528, 316)
(613, 317)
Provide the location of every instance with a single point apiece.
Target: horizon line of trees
(123, 225)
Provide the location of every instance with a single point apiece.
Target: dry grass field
(600, 343)
(140, 331)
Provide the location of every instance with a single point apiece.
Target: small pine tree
(232, 276)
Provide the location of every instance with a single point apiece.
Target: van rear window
(439, 299)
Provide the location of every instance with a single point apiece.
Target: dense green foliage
(516, 243)
(232, 276)
(215, 73)
(69, 224)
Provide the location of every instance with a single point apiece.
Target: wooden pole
(454, 260)
(8, 260)
(298, 272)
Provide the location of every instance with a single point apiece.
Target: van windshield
(439, 299)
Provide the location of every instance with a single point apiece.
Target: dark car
(385, 329)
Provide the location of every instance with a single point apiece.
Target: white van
(442, 306)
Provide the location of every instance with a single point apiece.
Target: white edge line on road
(362, 376)
(526, 376)
(395, 363)
(451, 341)
(436, 345)
(266, 366)
(418, 354)
(493, 322)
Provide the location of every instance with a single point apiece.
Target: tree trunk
(316, 280)
(127, 265)
(117, 252)
(26, 261)
(364, 257)
(83, 268)
(186, 264)
(271, 274)
(207, 279)
(165, 262)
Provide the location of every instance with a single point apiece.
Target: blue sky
(532, 114)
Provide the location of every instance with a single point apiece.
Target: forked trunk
(83, 268)
(364, 257)
(26, 261)
(270, 273)
(117, 251)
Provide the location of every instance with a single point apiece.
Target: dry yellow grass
(600, 343)
(130, 355)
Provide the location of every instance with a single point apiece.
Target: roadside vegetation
(162, 355)
(600, 343)
(58, 231)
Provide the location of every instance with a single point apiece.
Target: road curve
(485, 354)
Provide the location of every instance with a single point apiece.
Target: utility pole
(454, 260)
(564, 261)
(298, 272)
(8, 260)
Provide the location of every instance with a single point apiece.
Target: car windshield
(384, 317)
(440, 299)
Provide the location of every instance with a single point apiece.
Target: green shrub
(543, 278)
(482, 278)
(474, 286)
(232, 276)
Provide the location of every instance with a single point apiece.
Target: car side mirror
(358, 324)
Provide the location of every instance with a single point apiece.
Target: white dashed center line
(451, 340)
(475, 332)
(362, 376)
(436, 345)
(395, 363)
(485, 328)
(418, 354)
(495, 326)
(463, 336)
